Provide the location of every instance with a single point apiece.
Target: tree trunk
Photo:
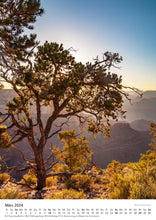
(40, 172)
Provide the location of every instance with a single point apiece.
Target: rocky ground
(97, 190)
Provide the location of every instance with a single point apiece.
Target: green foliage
(29, 178)
(19, 105)
(95, 128)
(141, 190)
(4, 177)
(115, 175)
(50, 181)
(133, 180)
(15, 15)
(153, 132)
(5, 139)
(152, 173)
(3, 129)
(115, 167)
(79, 182)
(11, 193)
(61, 168)
(148, 159)
(56, 80)
(75, 154)
(68, 194)
(120, 186)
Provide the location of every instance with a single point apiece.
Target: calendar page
(78, 109)
(75, 209)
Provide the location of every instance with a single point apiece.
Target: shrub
(100, 179)
(29, 178)
(11, 193)
(143, 191)
(79, 182)
(50, 181)
(94, 171)
(152, 173)
(120, 186)
(114, 167)
(68, 194)
(5, 140)
(137, 184)
(4, 177)
(61, 168)
(75, 154)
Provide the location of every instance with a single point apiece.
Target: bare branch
(18, 140)
(60, 128)
(54, 133)
(22, 128)
(49, 168)
(72, 49)
(137, 91)
(69, 114)
(92, 67)
(8, 169)
(21, 152)
(11, 126)
(60, 174)
(1, 122)
(51, 156)
(22, 184)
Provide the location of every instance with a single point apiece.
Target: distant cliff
(126, 143)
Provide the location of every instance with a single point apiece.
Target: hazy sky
(95, 26)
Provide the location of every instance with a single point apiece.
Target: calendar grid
(73, 212)
(94, 209)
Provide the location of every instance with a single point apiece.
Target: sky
(94, 26)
